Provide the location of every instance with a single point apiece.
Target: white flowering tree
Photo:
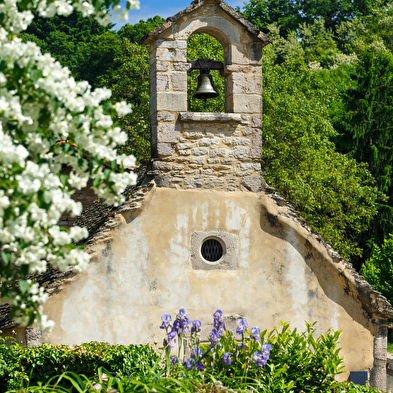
(47, 120)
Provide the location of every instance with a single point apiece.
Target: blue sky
(164, 8)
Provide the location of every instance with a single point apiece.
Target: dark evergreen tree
(366, 130)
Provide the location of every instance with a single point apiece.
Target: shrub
(39, 364)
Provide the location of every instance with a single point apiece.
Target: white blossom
(32, 195)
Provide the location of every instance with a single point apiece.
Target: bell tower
(199, 150)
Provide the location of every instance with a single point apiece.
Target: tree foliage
(378, 269)
(128, 80)
(334, 194)
(47, 120)
(134, 33)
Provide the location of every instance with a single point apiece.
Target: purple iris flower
(266, 347)
(260, 358)
(214, 337)
(196, 326)
(172, 336)
(182, 321)
(197, 353)
(174, 360)
(166, 318)
(226, 358)
(198, 366)
(176, 326)
(242, 326)
(218, 320)
(255, 332)
(188, 364)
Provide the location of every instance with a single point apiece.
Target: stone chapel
(203, 231)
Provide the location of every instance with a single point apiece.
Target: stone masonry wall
(210, 151)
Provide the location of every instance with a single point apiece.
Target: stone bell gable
(207, 150)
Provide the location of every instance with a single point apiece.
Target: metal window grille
(211, 250)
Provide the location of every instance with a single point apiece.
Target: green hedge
(21, 366)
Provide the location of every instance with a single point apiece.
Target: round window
(211, 250)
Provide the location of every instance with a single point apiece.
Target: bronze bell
(205, 88)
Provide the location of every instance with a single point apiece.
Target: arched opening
(201, 45)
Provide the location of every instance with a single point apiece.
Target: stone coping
(209, 116)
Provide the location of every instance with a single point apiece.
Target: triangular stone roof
(148, 38)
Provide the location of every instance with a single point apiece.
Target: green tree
(366, 127)
(335, 195)
(135, 33)
(81, 44)
(289, 15)
(378, 269)
(129, 81)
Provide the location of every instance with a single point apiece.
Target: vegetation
(282, 360)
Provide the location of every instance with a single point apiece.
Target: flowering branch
(40, 104)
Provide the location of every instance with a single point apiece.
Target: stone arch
(201, 45)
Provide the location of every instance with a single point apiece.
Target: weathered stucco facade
(142, 267)
(204, 181)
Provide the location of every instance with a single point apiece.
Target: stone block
(247, 132)
(162, 82)
(209, 141)
(192, 183)
(160, 66)
(226, 161)
(253, 166)
(178, 44)
(239, 152)
(168, 132)
(177, 179)
(165, 116)
(194, 134)
(213, 160)
(178, 167)
(257, 121)
(165, 149)
(245, 103)
(184, 152)
(179, 81)
(235, 84)
(173, 55)
(254, 84)
(237, 68)
(227, 141)
(183, 146)
(256, 146)
(238, 54)
(210, 117)
(172, 102)
(200, 151)
(213, 183)
(218, 153)
(240, 141)
(253, 184)
(181, 66)
(162, 181)
(197, 160)
(162, 166)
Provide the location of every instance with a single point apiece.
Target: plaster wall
(144, 270)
